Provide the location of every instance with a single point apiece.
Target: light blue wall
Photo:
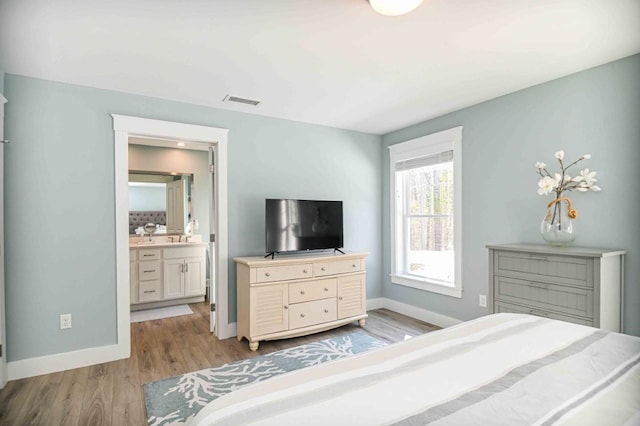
(59, 218)
(596, 111)
(147, 198)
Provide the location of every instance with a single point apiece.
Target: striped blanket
(502, 369)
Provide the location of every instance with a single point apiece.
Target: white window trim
(423, 146)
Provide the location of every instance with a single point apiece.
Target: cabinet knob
(302, 315)
(304, 271)
(322, 269)
(326, 289)
(286, 306)
(302, 292)
(326, 311)
(266, 274)
(340, 298)
(354, 265)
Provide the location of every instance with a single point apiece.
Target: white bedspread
(502, 369)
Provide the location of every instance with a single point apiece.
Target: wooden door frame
(125, 126)
(3, 330)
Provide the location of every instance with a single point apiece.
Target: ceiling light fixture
(180, 144)
(394, 7)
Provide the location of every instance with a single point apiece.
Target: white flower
(559, 155)
(540, 165)
(588, 178)
(586, 156)
(577, 178)
(546, 185)
(595, 188)
(558, 178)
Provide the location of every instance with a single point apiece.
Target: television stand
(299, 295)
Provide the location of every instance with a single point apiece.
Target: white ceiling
(330, 62)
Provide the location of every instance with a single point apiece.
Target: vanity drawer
(337, 267)
(517, 309)
(312, 290)
(183, 252)
(283, 273)
(550, 297)
(149, 254)
(149, 291)
(148, 271)
(311, 313)
(576, 271)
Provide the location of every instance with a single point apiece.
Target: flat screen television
(295, 225)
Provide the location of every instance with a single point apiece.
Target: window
(426, 212)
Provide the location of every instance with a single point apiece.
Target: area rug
(159, 313)
(175, 400)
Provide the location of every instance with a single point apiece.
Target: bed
(501, 369)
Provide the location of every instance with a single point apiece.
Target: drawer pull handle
(304, 271)
(152, 270)
(301, 315)
(149, 291)
(538, 313)
(322, 269)
(354, 265)
(326, 289)
(266, 274)
(538, 258)
(286, 306)
(536, 285)
(326, 311)
(302, 292)
(148, 255)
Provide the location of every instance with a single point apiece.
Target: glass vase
(557, 226)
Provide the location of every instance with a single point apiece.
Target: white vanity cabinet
(167, 275)
(297, 295)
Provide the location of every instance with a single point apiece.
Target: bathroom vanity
(164, 274)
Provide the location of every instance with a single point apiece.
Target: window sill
(423, 284)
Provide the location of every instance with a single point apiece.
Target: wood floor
(111, 393)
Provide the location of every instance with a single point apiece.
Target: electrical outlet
(65, 321)
(483, 301)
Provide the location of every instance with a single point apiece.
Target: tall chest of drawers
(297, 295)
(578, 285)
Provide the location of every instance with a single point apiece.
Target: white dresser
(163, 275)
(296, 295)
(578, 285)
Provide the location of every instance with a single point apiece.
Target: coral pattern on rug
(176, 400)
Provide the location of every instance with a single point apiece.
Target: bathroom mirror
(161, 198)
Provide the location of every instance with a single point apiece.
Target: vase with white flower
(557, 226)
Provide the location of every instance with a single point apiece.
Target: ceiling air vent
(231, 98)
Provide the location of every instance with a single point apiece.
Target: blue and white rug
(175, 400)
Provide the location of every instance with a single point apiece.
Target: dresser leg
(254, 346)
(361, 322)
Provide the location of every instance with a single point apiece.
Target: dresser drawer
(337, 267)
(149, 254)
(283, 273)
(546, 296)
(517, 309)
(310, 313)
(312, 290)
(576, 271)
(148, 271)
(149, 291)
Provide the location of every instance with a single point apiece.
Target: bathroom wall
(151, 158)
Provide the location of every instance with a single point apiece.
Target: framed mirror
(161, 198)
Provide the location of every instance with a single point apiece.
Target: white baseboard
(64, 361)
(412, 311)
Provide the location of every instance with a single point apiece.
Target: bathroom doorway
(214, 142)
